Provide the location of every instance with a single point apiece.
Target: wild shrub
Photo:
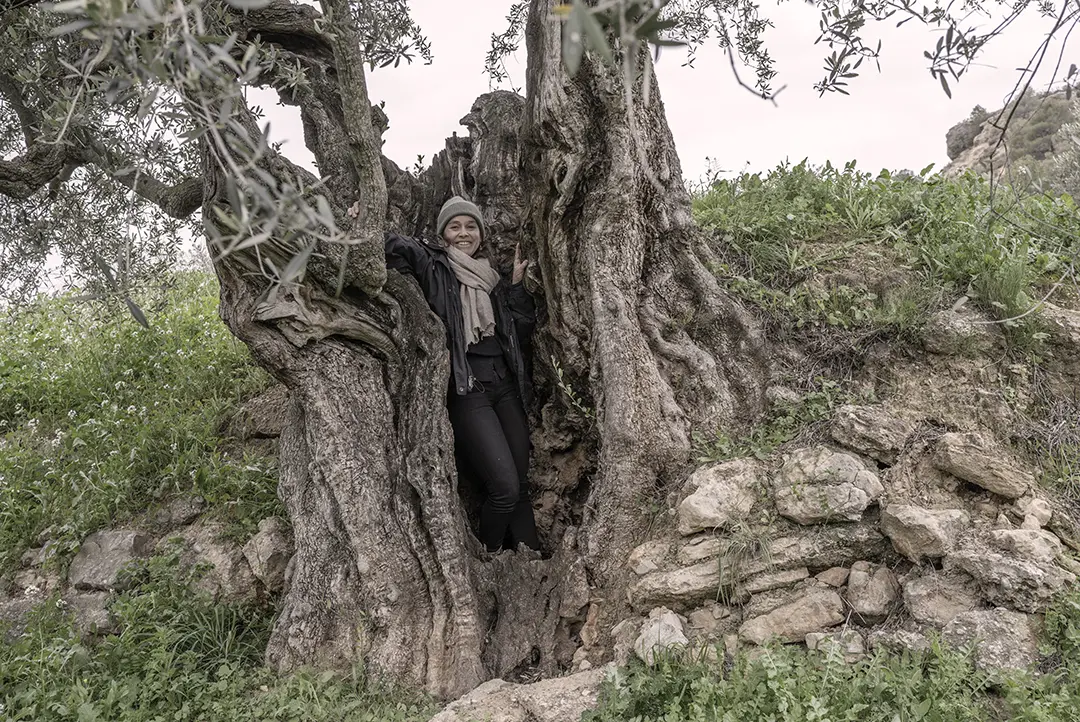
(100, 417)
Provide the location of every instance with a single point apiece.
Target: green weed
(831, 247)
(99, 418)
(178, 656)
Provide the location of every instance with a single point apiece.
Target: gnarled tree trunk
(386, 568)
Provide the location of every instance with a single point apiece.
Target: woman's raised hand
(519, 265)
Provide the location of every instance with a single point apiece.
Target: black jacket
(515, 309)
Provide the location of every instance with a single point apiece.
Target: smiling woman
(488, 328)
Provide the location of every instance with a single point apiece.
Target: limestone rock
(723, 494)
(774, 580)
(818, 485)
(662, 631)
(551, 700)
(700, 549)
(950, 332)
(1035, 507)
(872, 593)
(229, 576)
(268, 553)
(820, 547)
(974, 458)
(1035, 544)
(817, 610)
(834, 576)
(648, 557)
(180, 512)
(91, 615)
(937, 598)
(681, 587)
(1003, 639)
(916, 532)
(1027, 584)
(848, 643)
(871, 431)
(705, 621)
(623, 636)
(101, 557)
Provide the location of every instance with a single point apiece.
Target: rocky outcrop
(661, 633)
(103, 555)
(919, 533)
(819, 485)
(814, 611)
(721, 495)
(1003, 639)
(871, 431)
(268, 553)
(552, 700)
(936, 598)
(975, 459)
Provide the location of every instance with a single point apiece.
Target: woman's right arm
(406, 255)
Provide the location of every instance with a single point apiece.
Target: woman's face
(463, 232)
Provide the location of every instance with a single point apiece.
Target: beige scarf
(476, 279)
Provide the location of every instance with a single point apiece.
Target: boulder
(102, 555)
(871, 431)
(977, 460)
(937, 598)
(228, 576)
(680, 587)
(872, 593)
(551, 700)
(180, 512)
(774, 580)
(1003, 577)
(90, 612)
(815, 611)
(960, 331)
(705, 621)
(818, 485)
(648, 557)
(1032, 506)
(1003, 639)
(917, 533)
(268, 553)
(662, 631)
(849, 644)
(815, 548)
(1035, 544)
(722, 495)
(833, 576)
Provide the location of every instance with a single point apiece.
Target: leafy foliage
(100, 417)
(822, 246)
(787, 684)
(180, 656)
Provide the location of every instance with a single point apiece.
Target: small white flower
(131, 409)
(31, 591)
(71, 414)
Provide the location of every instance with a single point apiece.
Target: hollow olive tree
(124, 125)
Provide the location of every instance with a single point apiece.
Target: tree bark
(386, 568)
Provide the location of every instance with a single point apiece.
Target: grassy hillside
(102, 420)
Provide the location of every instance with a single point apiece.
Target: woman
(488, 327)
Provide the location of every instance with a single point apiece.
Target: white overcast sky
(896, 119)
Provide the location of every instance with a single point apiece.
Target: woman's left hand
(519, 266)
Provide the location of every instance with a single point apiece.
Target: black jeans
(491, 436)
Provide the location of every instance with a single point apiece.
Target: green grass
(100, 418)
(178, 656)
(838, 248)
(788, 684)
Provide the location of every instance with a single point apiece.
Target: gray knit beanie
(458, 206)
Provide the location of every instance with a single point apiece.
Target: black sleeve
(523, 309)
(406, 255)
